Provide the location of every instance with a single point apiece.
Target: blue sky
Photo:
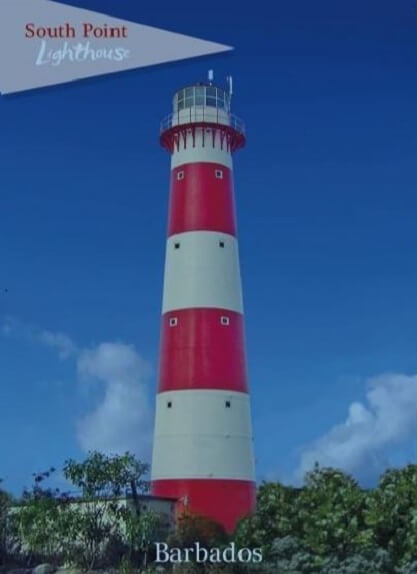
(326, 194)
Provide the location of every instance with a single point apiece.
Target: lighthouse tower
(203, 446)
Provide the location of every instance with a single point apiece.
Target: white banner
(43, 43)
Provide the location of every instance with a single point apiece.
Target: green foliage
(276, 517)
(102, 476)
(126, 566)
(99, 518)
(329, 526)
(45, 526)
(392, 513)
(410, 568)
(290, 556)
(44, 521)
(89, 530)
(332, 526)
(5, 501)
(379, 562)
(330, 512)
(192, 528)
(142, 530)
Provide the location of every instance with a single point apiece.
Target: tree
(276, 517)
(142, 529)
(5, 502)
(330, 509)
(99, 515)
(391, 513)
(44, 521)
(58, 527)
(312, 528)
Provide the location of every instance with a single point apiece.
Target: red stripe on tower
(202, 349)
(201, 198)
(203, 446)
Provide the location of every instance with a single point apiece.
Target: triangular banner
(44, 43)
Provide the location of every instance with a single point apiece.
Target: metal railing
(202, 114)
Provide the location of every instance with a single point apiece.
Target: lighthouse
(203, 445)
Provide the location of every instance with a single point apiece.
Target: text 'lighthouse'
(203, 446)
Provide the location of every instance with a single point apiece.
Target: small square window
(169, 404)
(180, 175)
(228, 404)
(173, 321)
(221, 243)
(224, 320)
(176, 245)
(219, 173)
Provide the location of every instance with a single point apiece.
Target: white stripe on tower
(191, 446)
(202, 270)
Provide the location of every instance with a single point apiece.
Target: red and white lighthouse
(203, 445)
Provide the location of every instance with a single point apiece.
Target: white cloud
(122, 420)
(12, 327)
(59, 341)
(358, 445)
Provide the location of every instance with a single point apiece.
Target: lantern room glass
(201, 96)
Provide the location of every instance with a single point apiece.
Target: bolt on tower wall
(203, 446)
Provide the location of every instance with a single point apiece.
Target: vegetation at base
(95, 529)
(333, 526)
(329, 526)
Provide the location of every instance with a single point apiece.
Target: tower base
(221, 500)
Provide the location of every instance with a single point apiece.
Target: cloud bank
(12, 327)
(121, 417)
(386, 418)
